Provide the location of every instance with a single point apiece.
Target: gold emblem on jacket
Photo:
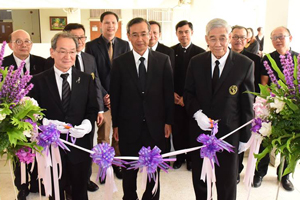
(93, 75)
(233, 89)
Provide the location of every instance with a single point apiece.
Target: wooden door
(5, 29)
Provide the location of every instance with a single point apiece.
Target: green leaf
(16, 135)
(264, 90)
(276, 68)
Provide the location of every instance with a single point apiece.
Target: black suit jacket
(83, 105)
(168, 51)
(232, 108)
(256, 59)
(99, 50)
(90, 67)
(129, 107)
(36, 63)
(181, 65)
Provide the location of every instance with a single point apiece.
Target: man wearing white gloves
(69, 96)
(215, 90)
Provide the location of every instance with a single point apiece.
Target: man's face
(139, 37)
(238, 39)
(65, 54)
(109, 26)
(281, 40)
(184, 35)
(20, 44)
(154, 35)
(217, 40)
(79, 34)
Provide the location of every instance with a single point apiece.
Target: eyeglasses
(64, 52)
(242, 38)
(20, 42)
(280, 37)
(82, 38)
(136, 35)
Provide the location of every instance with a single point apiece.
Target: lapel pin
(78, 80)
(233, 89)
(93, 75)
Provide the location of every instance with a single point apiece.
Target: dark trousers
(226, 176)
(75, 176)
(180, 132)
(129, 176)
(33, 177)
(262, 167)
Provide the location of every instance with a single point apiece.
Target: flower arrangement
(19, 114)
(277, 113)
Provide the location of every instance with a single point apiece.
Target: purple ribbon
(103, 156)
(212, 145)
(256, 125)
(150, 159)
(50, 135)
(24, 154)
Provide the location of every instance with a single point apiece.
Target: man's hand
(106, 100)
(100, 119)
(176, 98)
(203, 121)
(180, 102)
(116, 133)
(168, 130)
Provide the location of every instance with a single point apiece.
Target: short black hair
(108, 13)
(239, 27)
(183, 23)
(259, 29)
(73, 26)
(137, 20)
(155, 22)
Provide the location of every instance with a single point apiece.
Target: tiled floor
(176, 185)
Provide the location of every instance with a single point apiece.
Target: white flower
(27, 133)
(2, 116)
(278, 104)
(33, 101)
(266, 128)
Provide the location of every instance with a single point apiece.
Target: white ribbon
(208, 173)
(110, 185)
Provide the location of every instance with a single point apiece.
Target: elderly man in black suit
(106, 48)
(215, 86)
(85, 63)
(238, 40)
(141, 91)
(184, 51)
(69, 95)
(20, 43)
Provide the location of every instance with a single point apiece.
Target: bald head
(281, 38)
(20, 43)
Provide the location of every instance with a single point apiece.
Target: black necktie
(142, 73)
(24, 69)
(77, 64)
(66, 92)
(215, 75)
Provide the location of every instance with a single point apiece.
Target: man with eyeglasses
(69, 96)
(141, 92)
(281, 38)
(20, 43)
(184, 51)
(215, 89)
(106, 48)
(238, 40)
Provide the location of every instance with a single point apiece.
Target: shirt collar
(19, 61)
(221, 60)
(106, 40)
(186, 46)
(137, 56)
(58, 72)
(154, 46)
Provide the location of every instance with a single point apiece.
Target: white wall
(40, 49)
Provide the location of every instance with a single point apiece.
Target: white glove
(59, 125)
(242, 147)
(203, 121)
(81, 130)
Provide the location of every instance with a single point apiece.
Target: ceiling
(90, 4)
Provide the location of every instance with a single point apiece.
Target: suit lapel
(32, 64)
(133, 71)
(103, 49)
(75, 91)
(227, 68)
(85, 62)
(13, 61)
(151, 63)
(51, 82)
(207, 73)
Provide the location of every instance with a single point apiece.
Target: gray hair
(217, 23)
(62, 35)
(137, 20)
